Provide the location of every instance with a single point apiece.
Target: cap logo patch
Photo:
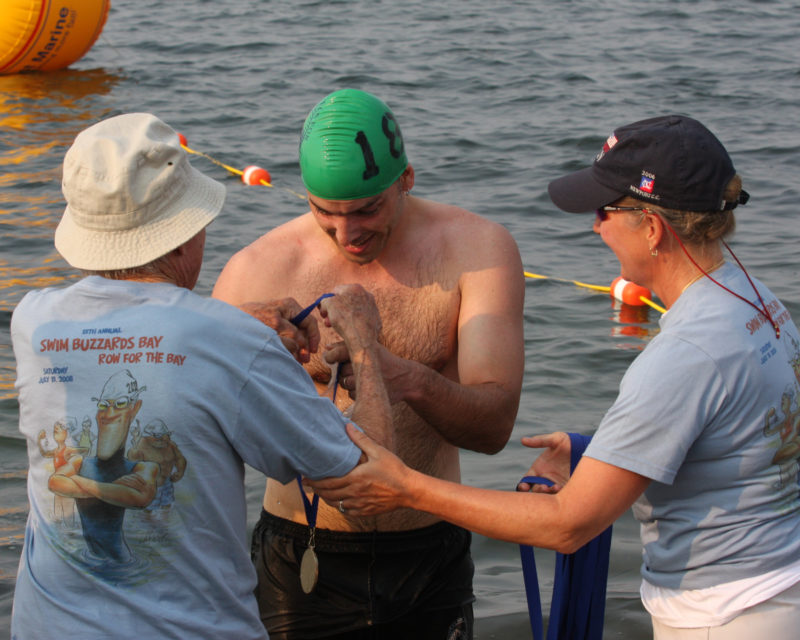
(647, 182)
(609, 144)
(612, 140)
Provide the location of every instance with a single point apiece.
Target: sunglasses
(117, 403)
(602, 212)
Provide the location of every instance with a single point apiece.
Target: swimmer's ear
(407, 179)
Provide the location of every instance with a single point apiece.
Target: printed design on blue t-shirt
(785, 421)
(121, 482)
(61, 453)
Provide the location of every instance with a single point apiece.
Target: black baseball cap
(670, 161)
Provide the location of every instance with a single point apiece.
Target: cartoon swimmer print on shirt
(63, 507)
(107, 484)
(785, 421)
(155, 445)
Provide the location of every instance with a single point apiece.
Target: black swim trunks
(375, 585)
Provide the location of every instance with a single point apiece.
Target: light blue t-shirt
(144, 535)
(710, 411)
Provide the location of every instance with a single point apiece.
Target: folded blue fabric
(578, 606)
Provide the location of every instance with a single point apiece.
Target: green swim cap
(351, 147)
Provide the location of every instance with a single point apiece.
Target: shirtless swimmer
(449, 287)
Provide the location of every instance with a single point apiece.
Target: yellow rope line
(594, 287)
(236, 171)
(219, 164)
(528, 274)
(652, 304)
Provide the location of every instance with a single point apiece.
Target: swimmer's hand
(552, 464)
(337, 356)
(301, 340)
(376, 485)
(361, 319)
(352, 312)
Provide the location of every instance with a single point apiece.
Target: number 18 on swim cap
(351, 147)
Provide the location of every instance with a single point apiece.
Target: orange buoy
(628, 292)
(256, 175)
(40, 35)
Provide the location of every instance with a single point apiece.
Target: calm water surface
(495, 99)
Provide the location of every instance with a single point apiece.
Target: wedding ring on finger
(341, 507)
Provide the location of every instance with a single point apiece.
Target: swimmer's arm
(247, 283)
(258, 272)
(372, 410)
(478, 411)
(240, 281)
(352, 312)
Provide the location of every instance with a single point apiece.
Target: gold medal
(309, 570)
(309, 565)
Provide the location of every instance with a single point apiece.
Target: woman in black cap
(703, 439)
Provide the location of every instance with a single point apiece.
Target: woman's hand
(379, 483)
(552, 464)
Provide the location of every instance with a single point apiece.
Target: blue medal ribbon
(310, 506)
(304, 313)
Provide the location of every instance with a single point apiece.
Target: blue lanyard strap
(310, 506)
(579, 588)
(304, 313)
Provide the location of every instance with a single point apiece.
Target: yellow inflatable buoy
(42, 35)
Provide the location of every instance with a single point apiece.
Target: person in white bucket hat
(132, 195)
(227, 385)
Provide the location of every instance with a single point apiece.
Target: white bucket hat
(132, 195)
